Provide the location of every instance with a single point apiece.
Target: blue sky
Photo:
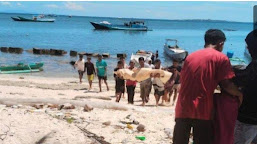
(232, 11)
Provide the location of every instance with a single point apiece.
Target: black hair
(120, 62)
(122, 57)
(175, 60)
(251, 41)
(80, 56)
(157, 60)
(214, 36)
(141, 58)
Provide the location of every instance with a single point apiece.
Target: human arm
(231, 88)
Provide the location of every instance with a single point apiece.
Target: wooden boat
(140, 53)
(131, 26)
(21, 68)
(34, 19)
(174, 51)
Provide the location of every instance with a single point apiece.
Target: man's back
(202, 72)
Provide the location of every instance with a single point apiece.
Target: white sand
(28, 126)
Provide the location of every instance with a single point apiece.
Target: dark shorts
(80, 72)
(102, 77)
(202, 131)
(158, 93)
(120, 89)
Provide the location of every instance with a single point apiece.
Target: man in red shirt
(203, 70)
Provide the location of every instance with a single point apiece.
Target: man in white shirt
(80, 65)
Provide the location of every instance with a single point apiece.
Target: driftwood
(92, 97)
(45, 101)
(89, 134)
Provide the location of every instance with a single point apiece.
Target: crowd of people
(228, 117)
(160, 89)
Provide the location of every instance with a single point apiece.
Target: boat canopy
(171, 40)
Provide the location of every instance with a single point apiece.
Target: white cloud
(18, 4)
(52, 6)
(73, 6)
(5, 3)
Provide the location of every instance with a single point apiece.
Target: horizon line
(129, 18)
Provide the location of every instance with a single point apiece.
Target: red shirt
(200, 75)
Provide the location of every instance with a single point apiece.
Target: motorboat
(130, 26)
(34, 19)
(174, 52)
(141, 53)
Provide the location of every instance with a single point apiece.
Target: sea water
(76, 33)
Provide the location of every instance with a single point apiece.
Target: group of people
(160, 89)
(229, 117)
(101, 70)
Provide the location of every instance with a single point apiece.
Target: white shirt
(80, 64)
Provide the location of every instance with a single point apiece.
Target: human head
(149, 62)
(251, 42)
(120, 64)
(88, 59)
(157, 63)
(100, 57)
(141, 61)
(80, 56)
(215, 38)
(122, 59)
(132, 63)
(175, 62)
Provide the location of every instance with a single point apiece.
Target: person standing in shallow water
(80, 64)
(203, 70)
(101, 67)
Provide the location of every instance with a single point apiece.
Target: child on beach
(101, 72)
(131, 85)
(119, 82)
(80, 65)
(90, 68)
(157, 83)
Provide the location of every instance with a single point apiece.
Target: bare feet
(143, 104)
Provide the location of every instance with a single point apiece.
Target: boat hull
(22, 67)
(178, 56)
(16, 19)
(102, 26)
(32, 20)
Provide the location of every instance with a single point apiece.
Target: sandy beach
(31, 112)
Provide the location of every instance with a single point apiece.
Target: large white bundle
(142, 74)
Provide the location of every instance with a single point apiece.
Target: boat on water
(175, 51)
(21, 68)
(141, 53)
(34, 19)
(131, 26)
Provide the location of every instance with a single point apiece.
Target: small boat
(140, 53)
(131, 26)
(21, 68)
(174, 51)
(237, 61)
(34, 19)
